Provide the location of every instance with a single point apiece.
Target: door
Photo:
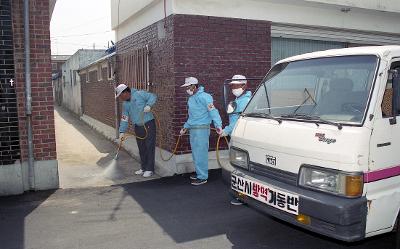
(383, 181)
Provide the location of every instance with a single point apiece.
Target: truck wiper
(262, 115)
(312, 118)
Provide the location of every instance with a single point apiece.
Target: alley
(85, 156)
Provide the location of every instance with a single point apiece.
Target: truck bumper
(336, 217)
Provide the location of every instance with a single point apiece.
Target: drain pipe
(28, 97)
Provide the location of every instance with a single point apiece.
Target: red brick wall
(42, 93)
(209, 48)
(161, 72)
(98, 100)
(213, 49)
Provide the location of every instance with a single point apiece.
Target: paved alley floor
(161, 213)
(85, 157)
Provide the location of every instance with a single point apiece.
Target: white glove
(183, 131)
(219, 131)
(122, 136)
(223, 134)
(146, 108)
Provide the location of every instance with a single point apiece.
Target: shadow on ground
(161, 213)
(14, 212)
(188, 213)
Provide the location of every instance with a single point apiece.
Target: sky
(77, 24)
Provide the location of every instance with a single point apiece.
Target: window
(104, 72)
(110, 71)
(135, 68)
(99, 76)
(387, 103)
(93, 76)
(332, 88)
(83, 77)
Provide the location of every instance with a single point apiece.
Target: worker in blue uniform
(238, 87)
(201, 111)
(136, 107)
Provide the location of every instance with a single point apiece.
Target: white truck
(318, 145)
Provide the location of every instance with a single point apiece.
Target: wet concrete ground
(84, 155)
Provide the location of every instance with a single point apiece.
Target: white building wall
(379, 5)
(132, 19)
(294, 12)
(72, 98)
(372, 16)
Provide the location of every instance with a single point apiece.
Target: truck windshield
(328, 90)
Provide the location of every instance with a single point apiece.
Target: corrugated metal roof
(98, 60)
(381, 51)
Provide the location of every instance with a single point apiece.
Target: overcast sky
(77, 24)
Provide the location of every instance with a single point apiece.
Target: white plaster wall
(365, 15)
(294, 12)
(137, 19)
(380, 5)
(121, 10)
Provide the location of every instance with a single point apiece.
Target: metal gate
(286, 47)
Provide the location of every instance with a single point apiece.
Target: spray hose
(177, 141)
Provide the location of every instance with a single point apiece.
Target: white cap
(120, 88)
(238, 79)
(190, 81)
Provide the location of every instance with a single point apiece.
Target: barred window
(135, 68)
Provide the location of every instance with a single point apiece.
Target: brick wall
(160, 42)
(9, 136)
(209, 48)
(42, 93)
(98, 99)
(214, 49)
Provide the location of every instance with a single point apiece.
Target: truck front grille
(277, 174)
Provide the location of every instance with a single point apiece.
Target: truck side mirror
(395, 85)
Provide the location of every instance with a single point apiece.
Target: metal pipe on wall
(28, 97)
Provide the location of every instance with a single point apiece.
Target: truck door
(382, 181)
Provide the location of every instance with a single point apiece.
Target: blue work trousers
(199, 141)
(147, 146)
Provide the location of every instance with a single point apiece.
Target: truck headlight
(239, 158)
(349, 184)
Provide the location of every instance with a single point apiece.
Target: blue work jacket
(241, 103)
(133, 109)
(202, 110)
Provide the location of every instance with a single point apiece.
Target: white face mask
(237, 92)
(190, 92)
